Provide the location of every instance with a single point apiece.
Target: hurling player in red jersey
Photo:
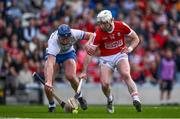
(109, 39)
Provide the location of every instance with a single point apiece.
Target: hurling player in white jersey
(110, 40)
(61, 51)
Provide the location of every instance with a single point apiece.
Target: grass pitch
(94, 111)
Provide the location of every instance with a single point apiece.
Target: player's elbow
(135, 37)
(137, 40)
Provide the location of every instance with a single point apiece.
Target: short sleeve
(53, 47)
(126, 29)
(78, 34)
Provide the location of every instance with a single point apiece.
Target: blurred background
(25, 26)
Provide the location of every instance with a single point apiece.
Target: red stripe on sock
(135, 93)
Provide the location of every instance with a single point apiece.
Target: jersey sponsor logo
(64, 48)
(113, 44)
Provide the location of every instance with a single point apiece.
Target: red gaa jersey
(111, 43)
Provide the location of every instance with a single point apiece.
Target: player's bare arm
(88, 36)
(134, 42)
(89, 47)
(85, 66)
(50, 63)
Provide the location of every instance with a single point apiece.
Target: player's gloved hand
(83, 75)
(48, 86)
(127, 50)
(90, 49)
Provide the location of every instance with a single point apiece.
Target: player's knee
(71, 77)
(126, 75)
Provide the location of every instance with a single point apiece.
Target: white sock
(135, 96)
(110, 97)
(80, 95)
(52, 104)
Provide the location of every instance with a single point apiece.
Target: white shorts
(112, 60)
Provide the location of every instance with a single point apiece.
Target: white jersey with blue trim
(54, 47)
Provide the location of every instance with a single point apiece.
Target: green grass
(121, 111)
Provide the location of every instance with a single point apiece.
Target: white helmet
(104, 16)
